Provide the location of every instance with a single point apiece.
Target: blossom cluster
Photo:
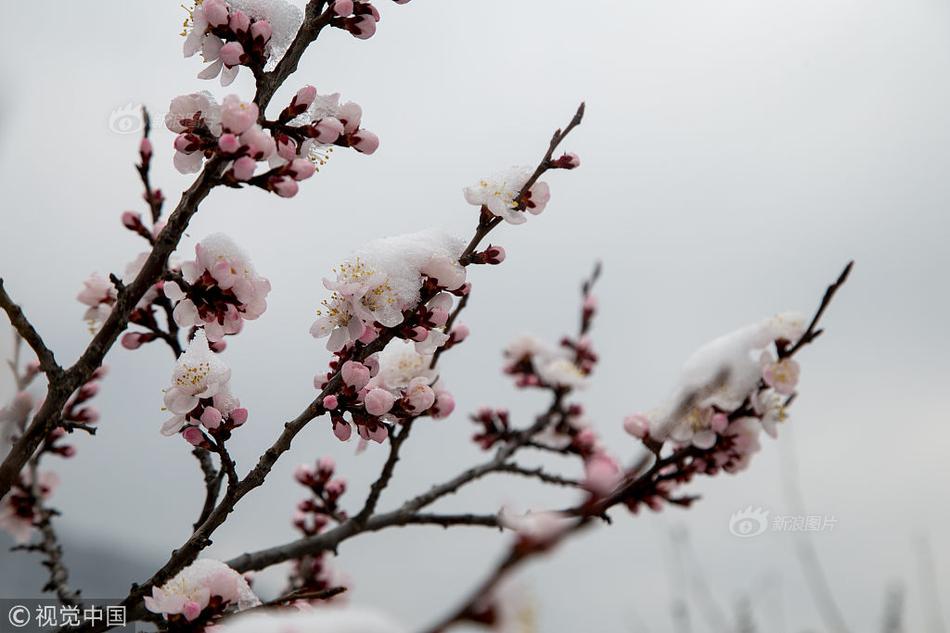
(395, 385)
(534, 363)
(405, 282)
(730, 390)
(234, 33)
(200, 594)
(291, 146)
(314, 574)
(218, 290)
(200, 396)
(511, 192)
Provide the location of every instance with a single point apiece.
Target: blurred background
(736, 153)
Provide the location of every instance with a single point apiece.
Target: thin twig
(28, 333)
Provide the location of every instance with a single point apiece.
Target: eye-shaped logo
(749, 522)
(126, 119)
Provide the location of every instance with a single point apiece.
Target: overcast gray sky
(736, 154)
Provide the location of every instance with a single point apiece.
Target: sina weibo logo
(749, 522)
(126, 119)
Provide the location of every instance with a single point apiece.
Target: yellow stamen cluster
(194, 375)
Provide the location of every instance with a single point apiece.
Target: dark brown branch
(395, 443)
(488, 221)
(29, 334)
(315, 19)
(63, 384)
(212, 479)
(813, 332)
(539, 474)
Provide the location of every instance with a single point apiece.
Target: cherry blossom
(203, 589)
(200, 391)
(383, 280)
(232, 33)
(218, 290)
(501, 194)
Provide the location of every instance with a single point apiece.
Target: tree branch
(29, 334)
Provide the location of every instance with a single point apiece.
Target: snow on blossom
(382, 280)
(541, 529)
(232, 33)
(18, 507)
(219, 289)
(324, 620)
(190, 591)
(720, 377)
(535, 363)
(407, 376)
(200, 375)
(501, 194)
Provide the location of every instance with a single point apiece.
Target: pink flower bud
(336, 487)
(378, 402)
(216, 12)
(438, 315)
(238, 116)
(419, 395)
(362, 28)
(355, 374)
(191, 610)
(305, 96)
(239, 23)
(637, 425)
(238, 416)
(131, 220)
(193, 435)
(304, 474)
(719, 422)
(261, 30)
(351, 114)
(494, 255)
(460, 332)
(419, 334)
(326, 465)
(602, 474)
(145, 148)
(342, 430)
(231, 54)
(286, 187)
(365, 142)
(132, 340)
(244, 168)
(343, 8)
(229, 143)
(330, 402)
(537, 197)
(302, 168)
(328, 129)
(211, 418)
(444, 405)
